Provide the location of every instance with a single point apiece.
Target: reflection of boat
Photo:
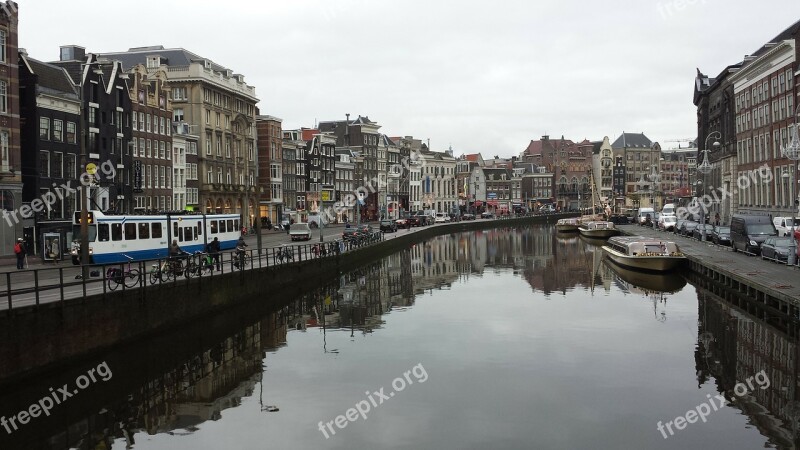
(566, 238)
(641, 252)
(598, 229)
(594, 242)
(567, 225)
(648, 281)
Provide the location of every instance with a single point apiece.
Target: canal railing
(34, 287)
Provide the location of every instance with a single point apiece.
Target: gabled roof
(632, 140)
(308, 133)
(387, 141)
(50, 78)
(473, 157)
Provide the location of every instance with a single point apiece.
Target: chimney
(72, 53)
(545, 137)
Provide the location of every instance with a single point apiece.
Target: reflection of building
(735, 344)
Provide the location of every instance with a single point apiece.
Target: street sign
(91, 168)
(491, 195)
(326, 196)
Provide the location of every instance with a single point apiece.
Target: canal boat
(645, 282)
(644, 253)
(568, 225)
(598, 229)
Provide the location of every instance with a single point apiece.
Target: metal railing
(34, 287)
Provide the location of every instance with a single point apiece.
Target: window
(161, 125)
(70, 166)
(162, 150)
(71, 137)
(179, 93)
(208, 143)
(44, 126)
(130, 231)
(177, 115)
(56, 165)
(156, 230)
(4, 150)
(147, 122)
(134, 124)
(44, 163)
(144, 231)
(788, 79)
(149, 145)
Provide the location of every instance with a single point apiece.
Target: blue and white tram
(149, 237)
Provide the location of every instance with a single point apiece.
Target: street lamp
(792, 153)
(655, 178)
(705, 168)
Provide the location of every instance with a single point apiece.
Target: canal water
(501, 339)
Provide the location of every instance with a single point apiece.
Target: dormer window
(153, 62)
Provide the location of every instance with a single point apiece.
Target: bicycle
(116, 276)
(205, 265)
(284, 252)
(240, 260)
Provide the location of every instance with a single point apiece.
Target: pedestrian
(716, 219)
(214, 249)
(21, 252)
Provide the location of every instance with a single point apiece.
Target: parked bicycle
(284, 253)
(240, 260)
(201, 264)
(167, 269)
(127, 276)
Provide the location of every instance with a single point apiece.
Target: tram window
(198, 230)
(156, 231)
(187, 234)
(236, 224)
(221, 226)
(175, 230)
(213, 227)
(180, 234)
(116, 231)
(230, 226)
(102, 232)
(144, 231)
(130, 231)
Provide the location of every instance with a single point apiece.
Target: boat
(568, 225)
(598, 229)
(644, 253)
(646, 282)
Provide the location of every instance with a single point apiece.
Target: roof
(50, 77)
(308, 133)
(473, 157)
(537, 147)
(172, 56)
(632, 140)
(790, 32)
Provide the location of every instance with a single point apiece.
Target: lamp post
(705, 168)
(655, 178)
(792, 153)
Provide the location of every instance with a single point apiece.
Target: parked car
(417, 220)
(668, 209)
(783, 225)
(776, 249)
(697, 232)
(487, 215)
(643, 214)
(441, 218)
(687, 227)
(468, 217)
(365, 230)
(678, 225)
(388, 226)
(749, 231)
(721, 236)
(667, 223)
(402, 222)
(350, 234)
(300, 232)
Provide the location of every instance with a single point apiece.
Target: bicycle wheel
(155, 276)
(131, 278)
(113, 282)
(191, 270)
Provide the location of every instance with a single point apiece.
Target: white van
(668, 210)
(643, 213)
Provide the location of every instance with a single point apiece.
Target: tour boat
(639, 252)
(645, 282)
(567, 225)
(598, 229)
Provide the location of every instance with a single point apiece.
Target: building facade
(641, 157)
(50, 113)
(270, 167)
(222, 108)
(10, 139)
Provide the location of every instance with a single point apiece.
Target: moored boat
(568, 225)
(644, 253)
(598, 229)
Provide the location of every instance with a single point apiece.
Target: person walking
(20, 251)
(716, 219)
(213, 249)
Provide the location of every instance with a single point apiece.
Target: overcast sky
(480, 76)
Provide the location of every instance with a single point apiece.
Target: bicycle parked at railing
(283, 253)
(240, 260)
(127, 276)
(167, 269)
(202, 264)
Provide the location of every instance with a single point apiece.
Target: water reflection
(299, 358)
